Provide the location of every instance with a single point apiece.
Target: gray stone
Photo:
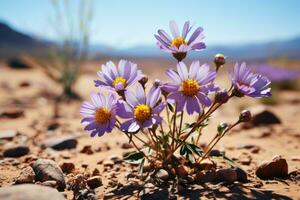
(48, 170)
(61, 143)
(15, 150)
(30, 192)
(162, 174)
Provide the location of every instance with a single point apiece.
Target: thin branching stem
(207, 152)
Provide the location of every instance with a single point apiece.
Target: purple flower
(142, 111)
(247, 83)
(190, 88)
(100, 114)
(179, 45)
(118, 78)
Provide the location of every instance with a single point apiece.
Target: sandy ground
(32, 92)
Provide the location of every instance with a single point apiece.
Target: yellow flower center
(142, 112)
(118, 80)
(102, 115)
(178, 41)
(190, 87)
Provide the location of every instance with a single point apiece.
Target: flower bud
(179, 56)
(220, 60)
(156, 83)
(245, 116)
(221, 97)
(221, 127)
(143, 80)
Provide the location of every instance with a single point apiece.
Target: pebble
(87, 150)
(94, 182)
(278, 167)
(67, 167)
(30, 191)
(7, 134)
(241, 175)
(228, 175)
(46, 169)
(116, 159)
(206, 164)
(205, 176)
(12, 113)
(216, 152)
(181, 171)
(96, 172)
(27, 175)
(263, 117)
(108, 163)
(162, 174)
(126, 146)
(15, 150)
(61, 143)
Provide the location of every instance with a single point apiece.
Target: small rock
(126, 146)
(87, 150)
(27, 175)
(29, 192)
(205, 176)
(262, 116)
(162, 174)
(51, 183)
(108, 163)
(96, 172)
(241, 175)
(116, 159)
(61, 143)
(216, 152)
(129, 175)
(295, 158)
(67, 167)
(147, 167)
(94, 182)
(247, 146)
(255, 150)
(12, 113)
(206, 164)
(228, 175)
(15, 150)
(53, 126)
(278, 167)
(46, 169)
(7, 134)
(181, 171)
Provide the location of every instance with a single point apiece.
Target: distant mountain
(14, 42)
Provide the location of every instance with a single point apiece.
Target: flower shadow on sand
(210, 191)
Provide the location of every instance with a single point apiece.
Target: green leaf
(134, 157)
(141, 166)
(170, 107)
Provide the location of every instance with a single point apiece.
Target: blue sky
(123, 24)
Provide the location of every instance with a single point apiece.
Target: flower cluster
(154, 115)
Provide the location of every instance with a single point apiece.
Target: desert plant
(139, 115)
(65, 60)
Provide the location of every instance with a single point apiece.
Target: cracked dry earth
(26, 122)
